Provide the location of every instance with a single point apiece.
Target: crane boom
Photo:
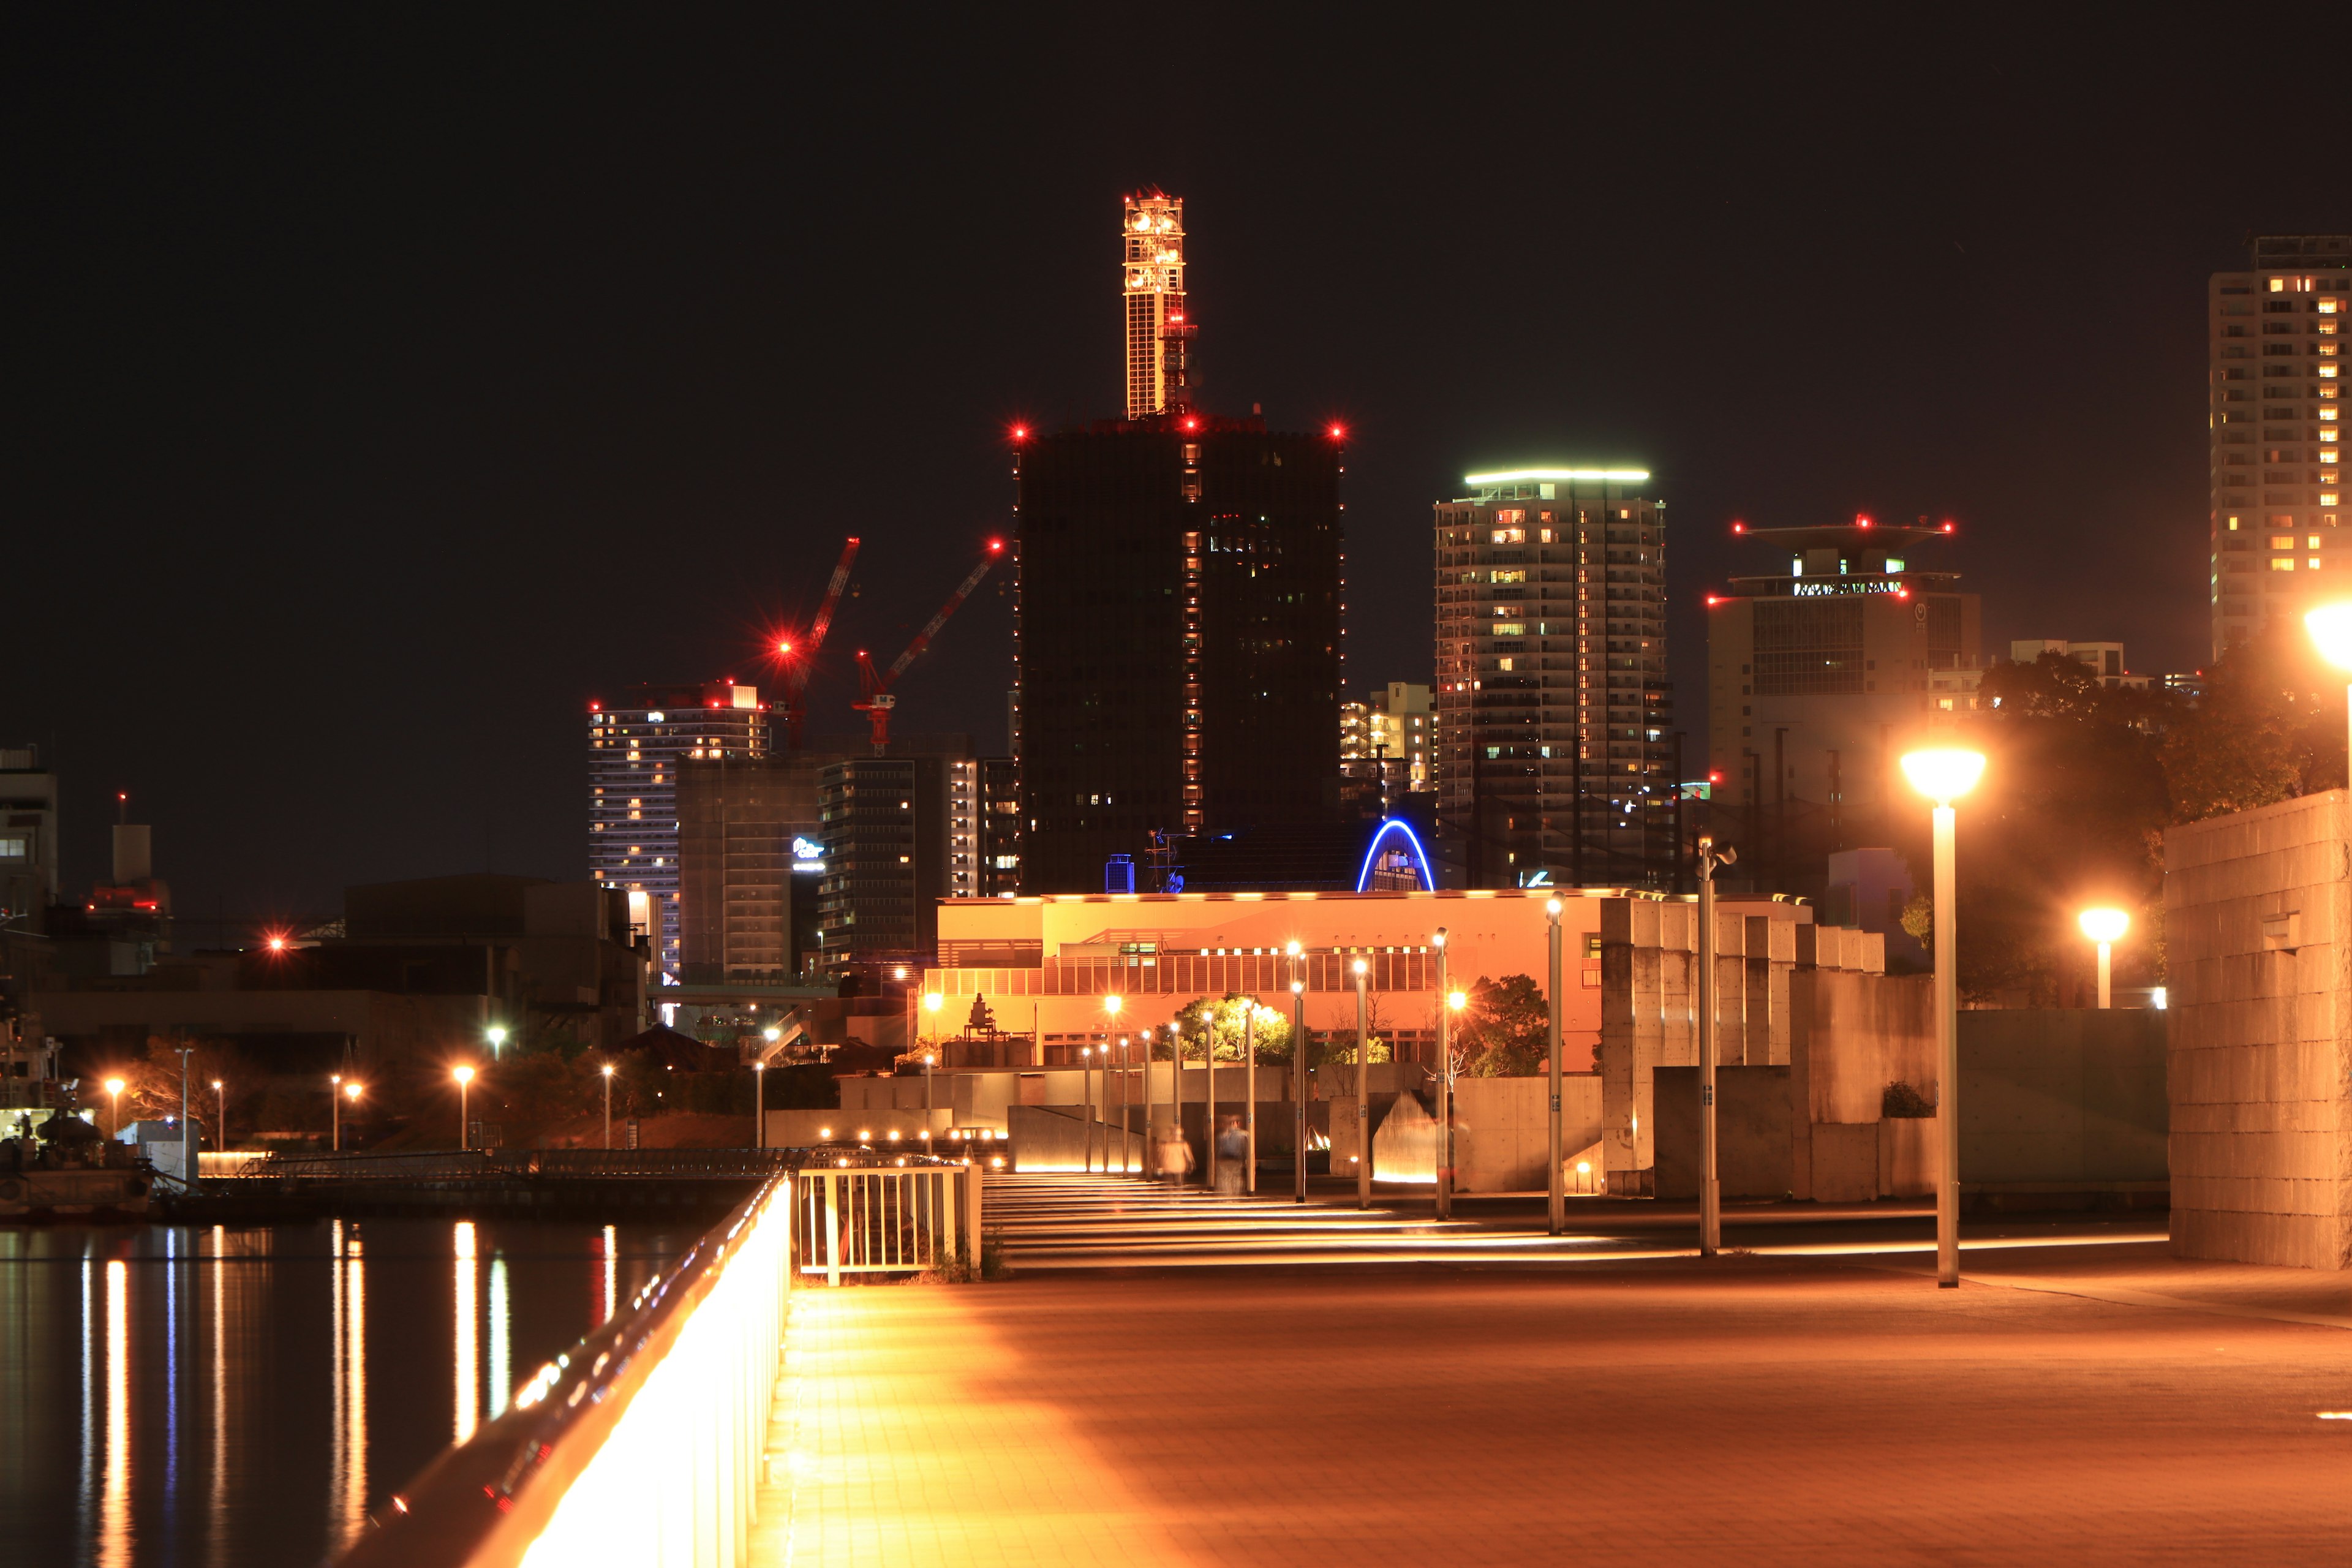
(798, 670)
(877, 700)
(932, 627)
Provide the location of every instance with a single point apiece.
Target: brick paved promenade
(1752, 1410)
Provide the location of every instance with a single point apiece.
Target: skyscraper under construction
(1180, 607)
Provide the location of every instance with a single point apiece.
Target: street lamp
(606, 1073)
(1944, 774)
(115, 1089)
(344, 1089)
(497, 1035)
(1363, 1094)
(1556, 1184)
(1710, 1183)
(759, 1105)
(2331, 628)
(1299, 1074)
(1148, 1174)
(220, 1112)
(2105, 927)
(1111, 1005)
(1444, 1084)
(1087, 1101)
(464, 1076)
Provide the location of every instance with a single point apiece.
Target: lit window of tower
(1154, 284)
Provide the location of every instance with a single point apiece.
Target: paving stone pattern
(1748, 1410)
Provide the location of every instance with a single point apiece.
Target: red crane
(800, 663)
(875, 699)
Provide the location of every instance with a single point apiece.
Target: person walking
(1233, 1155)
(1175, 1157)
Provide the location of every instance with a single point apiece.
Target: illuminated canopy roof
(1534, 476)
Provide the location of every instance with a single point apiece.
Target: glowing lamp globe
(2331, 631)
(1944, 774)
(2104, 925)
(934, 1001)
(1457, 1000)
(1111, 1004)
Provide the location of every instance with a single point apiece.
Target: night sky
(389, 385)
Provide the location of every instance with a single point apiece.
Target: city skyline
(382, 470)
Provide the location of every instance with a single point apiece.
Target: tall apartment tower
(2276, 439)
(1179, 613)
(900, 833)
(1554, 754)
(635, 747)
(1153, 229)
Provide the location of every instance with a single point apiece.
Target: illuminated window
(2281, 563)
(2233, 525)
(2312, 542)
(1511, 629)
(2278, 285)
(2282, 541)
(1510, 536)
(2314, 564)
(1518, 576)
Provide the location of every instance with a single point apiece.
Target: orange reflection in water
(469, 1372)
(114, 1505)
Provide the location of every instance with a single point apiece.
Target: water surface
(194, 1395)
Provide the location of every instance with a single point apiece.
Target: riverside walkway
(2081, 1396)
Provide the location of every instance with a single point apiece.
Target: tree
(2269, 727)
(1225, 1016)
(1505, 1030)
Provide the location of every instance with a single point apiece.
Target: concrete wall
(1502, 1137)
(1751, 1132)
(2258, 926)
(2072, 1097)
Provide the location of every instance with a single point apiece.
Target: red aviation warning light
(1859, 520)
(1713, 600)
(1338, 432)
(1738, 526)
(994, 545)
(1947, 525)
(785, 647)
(1021, 432)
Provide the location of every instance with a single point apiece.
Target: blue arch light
(1372, 853)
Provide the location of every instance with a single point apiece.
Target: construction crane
(799, 662)
(875, 699)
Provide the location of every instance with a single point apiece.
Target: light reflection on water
(202, 1395)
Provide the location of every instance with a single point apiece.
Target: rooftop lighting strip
(1522, 476)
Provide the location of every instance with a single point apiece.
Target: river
(194, 1395)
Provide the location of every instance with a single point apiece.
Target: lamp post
(114, 1091)
(759, 1105)
(2331, 630)
(1444, 1086)
(1249, 1095)
(220, 1113)
(1363, 1094)
(1125, 1137)
(1556, 1185)
(2105, 927)
(1299, 1074)
(187, 1143)
(1943, 775)
(1147, 1174)
(605, 1072)
(335, 1111)
(352, 1089)
(1208, 1100)
(1111, 1005)
(464, 1076)
(1086, 1101)
(497, 1035)
(1710, 1184)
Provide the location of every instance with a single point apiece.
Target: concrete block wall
(2258, 928)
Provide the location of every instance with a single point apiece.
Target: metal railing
(450, 1164)
(888, 1219)
(641, 1445)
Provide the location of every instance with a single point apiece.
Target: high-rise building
(1153, 285)
(29, 870)
(1180, 607)
(635, 749)
(737, 821)
(1389, 737)
(2276, 335)
(1554, 750)
(900, 833)
(1818, 676)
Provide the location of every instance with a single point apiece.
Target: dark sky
(388, 385)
